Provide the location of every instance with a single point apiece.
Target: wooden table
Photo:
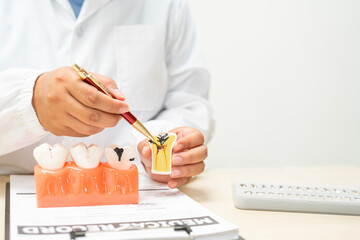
(213, 190)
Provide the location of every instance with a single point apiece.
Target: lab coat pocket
(141, 66)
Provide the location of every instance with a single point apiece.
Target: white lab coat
(150, 47)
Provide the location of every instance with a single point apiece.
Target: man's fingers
(174, 183)
(157, 177)
(147, 161)
(110, 85)
(191, 156)
(141, 145)
(187, 170)
(93, 98)
(67, 131)
(81, 127)
(145, 152)
(116, 93)
(191, 140)
(144, 148)
(67, 106)
(90, 116)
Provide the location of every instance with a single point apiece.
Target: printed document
(159, 209)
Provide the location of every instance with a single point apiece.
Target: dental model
(120, 158)
(161, 153)
(85, 181)
(86, 157)
(50, 158)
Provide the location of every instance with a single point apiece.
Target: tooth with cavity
(86, 157)
(50, 158)
(120, 157)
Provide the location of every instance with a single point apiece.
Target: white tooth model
(120, 157)
(86, 157)
(50, 158)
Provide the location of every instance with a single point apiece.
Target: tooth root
(161, 156)
(120, 157)
(86, 157)
(50, 158)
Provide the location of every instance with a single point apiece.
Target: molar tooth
(50, 158)
(86, 157)
(120, 157)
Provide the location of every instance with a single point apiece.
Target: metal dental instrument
(90, 79)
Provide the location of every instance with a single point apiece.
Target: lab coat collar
(89, 8)
(66, 5)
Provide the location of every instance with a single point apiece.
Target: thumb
(110, 85)
(116, 93)
(144, 148)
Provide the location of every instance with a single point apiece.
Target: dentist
(146, 53)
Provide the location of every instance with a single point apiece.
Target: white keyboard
(296, 198)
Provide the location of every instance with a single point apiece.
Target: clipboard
(168, 233)
(7, 211)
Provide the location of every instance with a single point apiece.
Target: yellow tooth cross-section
(161, 153)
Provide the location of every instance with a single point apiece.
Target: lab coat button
(79, 31)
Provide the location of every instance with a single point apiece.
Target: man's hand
(189, 153)
(67, 106)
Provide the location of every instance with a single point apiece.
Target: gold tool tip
(152, 139)
(76, 67)
(80, 71)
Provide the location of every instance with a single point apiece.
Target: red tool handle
(129, 117)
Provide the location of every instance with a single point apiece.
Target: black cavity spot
(119, 152)
(163, 138)
(131, 159)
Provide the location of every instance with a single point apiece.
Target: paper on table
(159, 208)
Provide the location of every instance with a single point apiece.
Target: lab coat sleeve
(186, 101)
(19, 125)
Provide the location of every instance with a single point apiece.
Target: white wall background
(285, 81)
